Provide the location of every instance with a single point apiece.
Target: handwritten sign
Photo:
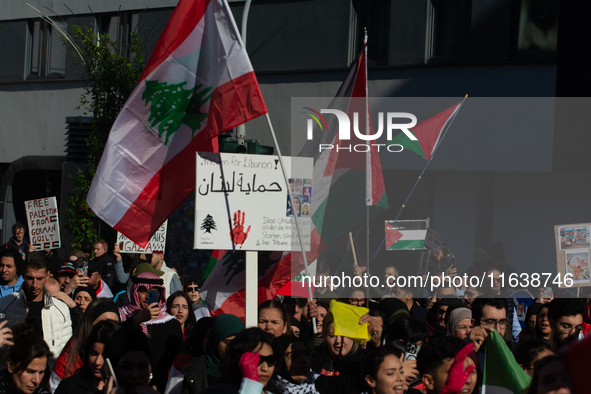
(242, 202)
(156, 244)
(44, 228)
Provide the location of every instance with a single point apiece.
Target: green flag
(502, 374)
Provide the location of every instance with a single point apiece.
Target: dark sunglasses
(270, 360)
(189, 289)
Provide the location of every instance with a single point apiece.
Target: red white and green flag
(428, 133)
(345, 181)
(197, 84)
(224, 286)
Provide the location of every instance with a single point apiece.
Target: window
(47, 52)
(450, 27)
(375, 16)
(118, 27)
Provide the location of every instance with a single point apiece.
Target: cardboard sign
(573, 253)
(156, 244)
(44, 228)
(405, 234)
(242, 202)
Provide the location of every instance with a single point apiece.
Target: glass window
(451, 27)
(47, 52)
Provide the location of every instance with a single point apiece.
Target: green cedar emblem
(172, 105)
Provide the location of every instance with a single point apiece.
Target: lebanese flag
(428, 133)
(197, 84)
(224, 288)
(345, 181)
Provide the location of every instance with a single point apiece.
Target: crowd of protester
(97, 324)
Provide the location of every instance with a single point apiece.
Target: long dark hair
(371, 365)
(407, 329)
(246, 341)
(100, 333)
(191, 320)
(27, 347)
(80, 334)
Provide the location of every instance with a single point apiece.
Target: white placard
(249, 208)
(156, 244)
(44, 228)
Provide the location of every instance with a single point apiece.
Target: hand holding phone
(153, 296)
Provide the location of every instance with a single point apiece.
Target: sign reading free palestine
(44, 228)
(242, 202)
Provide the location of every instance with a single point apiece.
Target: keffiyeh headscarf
(149, 281)
(285, 381)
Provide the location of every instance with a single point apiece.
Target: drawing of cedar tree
(172, 105)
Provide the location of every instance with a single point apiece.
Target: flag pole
(251, 299)
(424, 169)
(368, 185)
(297, 221)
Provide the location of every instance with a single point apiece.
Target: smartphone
(546, 292)
(107, 371)
(153, 297)
(412, 349)
(82, 266)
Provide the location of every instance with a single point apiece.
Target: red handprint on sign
(238, 235)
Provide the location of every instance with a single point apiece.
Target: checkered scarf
(149, 281)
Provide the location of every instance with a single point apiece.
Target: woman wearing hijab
(459, 322)
(83, 296)
(204, 371)
(294, 373)
(163, 329)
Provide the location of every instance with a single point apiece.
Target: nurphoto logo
(344, 133)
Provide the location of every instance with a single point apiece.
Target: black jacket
(346, 365)
(80, 383)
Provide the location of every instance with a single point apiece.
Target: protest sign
(406, 234)
(156, 244)
(572, 253)
(242, 202)
(44, 228)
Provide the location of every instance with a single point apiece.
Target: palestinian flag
(345, 181)
(502, 374)
(405, 234)
(224, 287)
(428, 133)
(197, 84)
